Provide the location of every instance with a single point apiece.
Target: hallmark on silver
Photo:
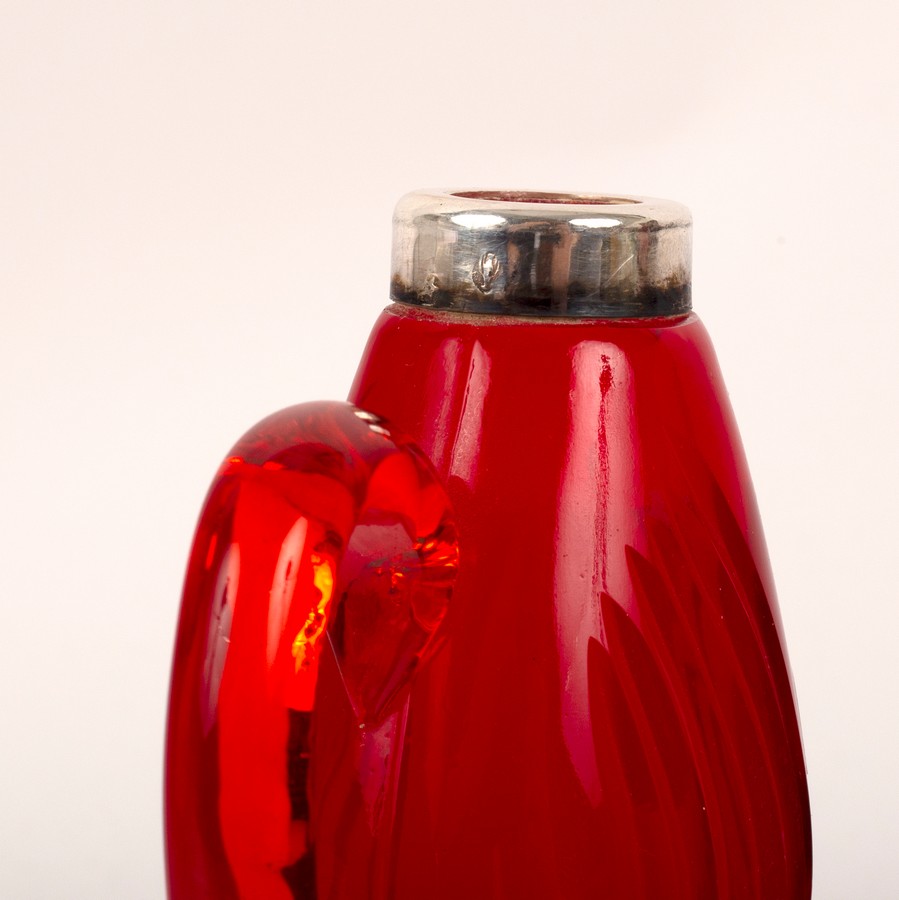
(485, 272)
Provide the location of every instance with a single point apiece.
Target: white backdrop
(195, 205)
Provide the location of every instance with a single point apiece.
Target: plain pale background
(195, 205)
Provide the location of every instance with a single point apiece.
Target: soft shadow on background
(195, 207)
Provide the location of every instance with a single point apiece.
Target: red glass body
(610, 713)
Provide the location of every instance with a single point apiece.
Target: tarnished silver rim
(542, 254)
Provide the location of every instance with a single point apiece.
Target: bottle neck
(546, 255)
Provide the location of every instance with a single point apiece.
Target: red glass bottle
(505, 628)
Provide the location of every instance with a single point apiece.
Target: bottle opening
(546, 197)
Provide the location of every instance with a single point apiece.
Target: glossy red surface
(609, 714)
(323, 532)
